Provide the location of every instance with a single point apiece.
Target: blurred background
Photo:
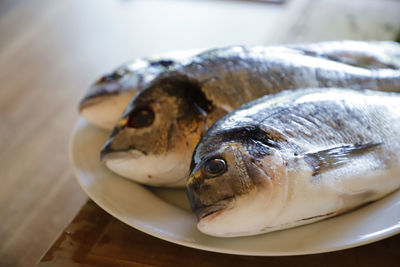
(51, 51)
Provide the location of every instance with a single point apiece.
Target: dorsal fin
(328, 159)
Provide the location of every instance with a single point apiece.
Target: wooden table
(51, 51)
(96, 238)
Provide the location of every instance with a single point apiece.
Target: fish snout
(109, 152)
(114, 143)
(206, 211)
(206, 196)
(194, 176)
(113, 77)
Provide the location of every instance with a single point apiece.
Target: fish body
(106, 99)
(156, 136)
(295, 158)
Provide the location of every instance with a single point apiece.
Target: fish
(295, 158)
(105, 100)
(155, 137)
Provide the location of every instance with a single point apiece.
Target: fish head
(237, 186)
(156, 136)
(107, 98)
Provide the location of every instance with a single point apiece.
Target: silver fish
(106, 99)
(295, 158)
(156, 136)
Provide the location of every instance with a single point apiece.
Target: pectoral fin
(331, 158)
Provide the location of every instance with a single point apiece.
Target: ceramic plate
(164, 213)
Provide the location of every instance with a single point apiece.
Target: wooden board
(96, 238)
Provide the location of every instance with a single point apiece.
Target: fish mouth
(144, 168)
(128, 154)
(108, 153)
(208, 211)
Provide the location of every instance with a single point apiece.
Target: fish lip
(208, 210)
(108, 153)
(131, 154)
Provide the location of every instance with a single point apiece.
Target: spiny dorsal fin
(334, 157)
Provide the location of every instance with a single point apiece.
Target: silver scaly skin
(357, 53)
(294, 158)
(156, 136)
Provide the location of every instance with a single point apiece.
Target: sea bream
(295, 158)
(156, 136)
(106, 99)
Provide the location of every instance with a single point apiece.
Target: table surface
(96, 238)
(51, 51)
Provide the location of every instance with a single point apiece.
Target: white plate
(164, 213)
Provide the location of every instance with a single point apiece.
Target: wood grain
(96, 238)
(38, 194)
(51, 51)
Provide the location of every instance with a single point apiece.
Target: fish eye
(215, 167)
(141, 117)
